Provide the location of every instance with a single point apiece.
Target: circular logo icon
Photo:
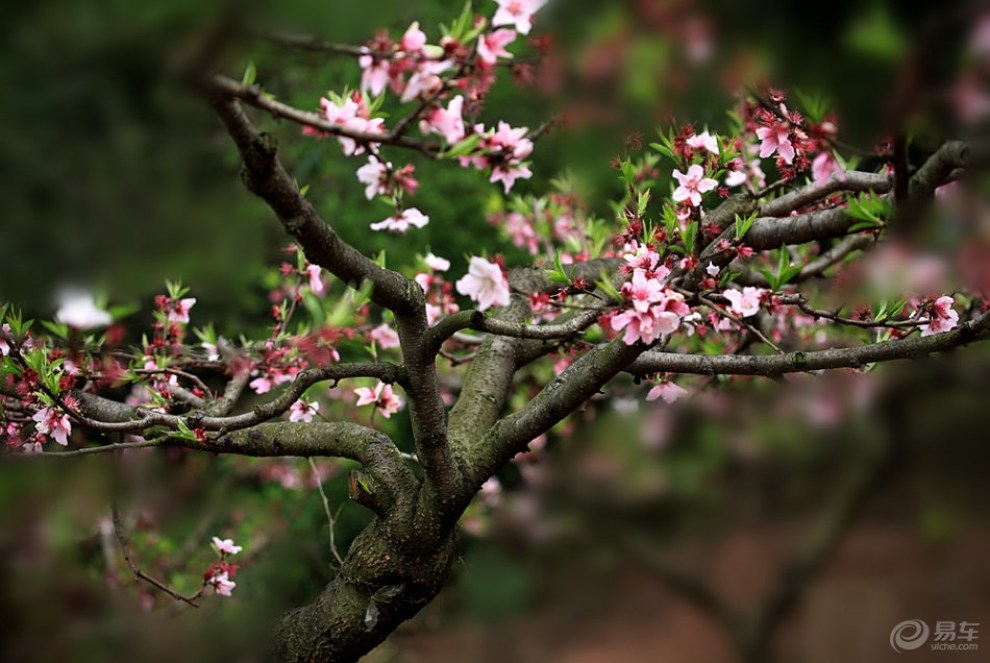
(908, 635)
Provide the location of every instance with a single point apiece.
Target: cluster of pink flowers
(382, 396)
(220, 574)
(54, 423)
(786, 135)
(279, 364)
(504, 151)
(485, 283)
(381, 179)
(656, 309)
(353, 115)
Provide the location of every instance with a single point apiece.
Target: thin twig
(326, 509)
(136, 571)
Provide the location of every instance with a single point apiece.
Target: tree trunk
(384, 581)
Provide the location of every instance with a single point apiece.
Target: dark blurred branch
(845, 508)
(753, 633)
(139, 574)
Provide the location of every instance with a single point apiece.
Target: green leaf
(689, 236)
(605, 283)
(642, 202)
(558, 275)
(814, 105)
(250, 74)
(463, 148)
(743, 225)
(58, 329)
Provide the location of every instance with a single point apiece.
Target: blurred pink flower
(485, 284)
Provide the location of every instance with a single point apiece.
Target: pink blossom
(705, 141)
(508, 175)
(226, 546)
(374, 175)
(446, 121)
(436, 263)
(491, 492)
(485, 284)
(384, 336)
(414, 39)
(640, 256)
(212, 352)
(491, 46)
(638, 326)
(522, 233)
(741, 172)
(692, 185)
(425, 80)
(746, 303)
(642, 291)
(303, 411)
(668, 391)
(57, 426)
(712, 269)
(261, 385)
(401, 222)
(352, 116)
(78, 310)
(776, 139)
(313, 272)
(374, 74)
(382, 397)
(944, 317)
(518, 13)
(512, 141)
(824, 165)
(662, 317)
(179, 313)
(222, 583)
(4, 346)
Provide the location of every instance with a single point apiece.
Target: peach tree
(757, 248)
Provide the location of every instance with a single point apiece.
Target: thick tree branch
(478, 321)
(105, 415)
(579, 382)
(265, 177)
(850, 180)
(254, 96)
(799, 362)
